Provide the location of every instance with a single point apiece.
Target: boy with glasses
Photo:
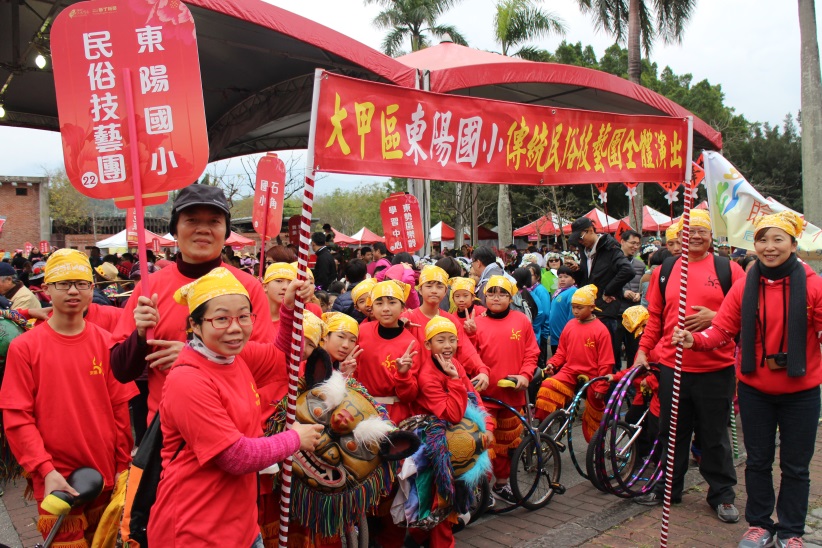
(52, 431)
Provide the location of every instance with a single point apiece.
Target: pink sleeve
(248, 455)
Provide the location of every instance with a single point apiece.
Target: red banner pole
(295, 356)
(265, 229)
(683, 283)
(138, 189)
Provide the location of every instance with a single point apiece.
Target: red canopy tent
(602, 222)
(365, 236)
(542, 226)
(652, 221)
(237, 240)
(443, 232)
(341, 239)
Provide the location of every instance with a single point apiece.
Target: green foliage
(519, 21)
(413, 20)
(65, 203)
(350, 210)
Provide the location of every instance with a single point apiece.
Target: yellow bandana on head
(700, 218)
(788, 221)
(634, 319)
(280, 271)
(503, 282)
(313, 327)
(672, 232)
(391, 288)
(463, 284)
(362, 288)
(431, 273)
(68, 264)
(337, 321)
(216, 283)
(585, 296)
(438, 325)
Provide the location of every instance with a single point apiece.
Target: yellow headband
(672, 232)
(503, 282)
(437, 325)
(280, 271)
(463, 284)
(362, 288)
(431, 273)
(308, 271)
(337, 321)
(788, 221)
(313, 327)
(68, 264)
(391, 288)
(634, 319)
(216, 283)
(585, 296)
(700, 218)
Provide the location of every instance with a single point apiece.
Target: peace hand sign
(349, 364)
(406, 360)
(448, 366)
(470, 326)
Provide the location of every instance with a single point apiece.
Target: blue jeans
(797, 416)
(258, 542)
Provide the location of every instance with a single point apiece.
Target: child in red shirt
(465, 304)
(361, 295)
(584, 349)
(506, 340)
(62, 407)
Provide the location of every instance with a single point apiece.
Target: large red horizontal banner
(378, 129)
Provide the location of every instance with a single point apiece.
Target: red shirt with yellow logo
(62, 407)
(377, 370)
(210, 406)
(584, 349)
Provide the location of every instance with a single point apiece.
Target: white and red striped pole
(295, 355)
(683, 282)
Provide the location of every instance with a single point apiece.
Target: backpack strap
(722, 265)
(664, 275)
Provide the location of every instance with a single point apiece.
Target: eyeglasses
(224, 322)
(81, 285)
(497, 296)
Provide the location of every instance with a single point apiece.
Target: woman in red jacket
(778, 312)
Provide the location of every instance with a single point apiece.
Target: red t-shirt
(509, 345)
(466, 351)
(210, 406)
(584, 349)
(274, 391)
(703, 289)
(106, 317)
(728, 323)
(172, 325)
(65, 385)
(377, 369)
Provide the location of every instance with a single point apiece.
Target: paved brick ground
(582, 516)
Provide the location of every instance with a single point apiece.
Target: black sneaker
(504, 492)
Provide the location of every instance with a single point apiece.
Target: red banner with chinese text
(91, 44)
(268, 195)
(378, 129)
(402, 223)
(294, 230)
(131, 227)
(45, 247)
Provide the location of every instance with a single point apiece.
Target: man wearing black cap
(14, 290)
(603, 264)
(201, 222)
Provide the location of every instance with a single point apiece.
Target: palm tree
(634, 20)
(414, 20)
(516, 23)
(811, 119)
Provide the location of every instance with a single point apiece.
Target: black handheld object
(86, 481)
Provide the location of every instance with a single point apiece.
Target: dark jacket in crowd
(325, 270)
(610, 271)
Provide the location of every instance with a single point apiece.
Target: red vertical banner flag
(28, 247)
(267, 214)
(294, 230)
(402, 223)
(155, 245)
(92, 44)
(131, 227)
(45, 247)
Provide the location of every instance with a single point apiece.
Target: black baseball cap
(583, 223)
(195, 195)
(7, 270)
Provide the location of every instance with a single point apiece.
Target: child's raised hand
(447, 366)
(303, 288)
(349, 364)
(405, 361)
(309, 435)
(470, 326)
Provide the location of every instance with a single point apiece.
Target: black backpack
(722, 265)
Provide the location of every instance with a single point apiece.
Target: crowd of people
(206, 349)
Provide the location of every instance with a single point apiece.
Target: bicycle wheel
(552, 427)
(482, 499)
(591, 460)
(530, 464)
(610, 462)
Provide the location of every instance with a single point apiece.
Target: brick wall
(22, 215)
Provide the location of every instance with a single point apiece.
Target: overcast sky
(750, 47)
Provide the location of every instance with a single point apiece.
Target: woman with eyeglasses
(213, 444)
(777, 311)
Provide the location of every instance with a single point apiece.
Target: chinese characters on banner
(28, 247)
(377, 129)
(131, 227)
(45, 247)
(401, 223)
(294, 230)
(267, 214)
(155, 245)
(92, 43)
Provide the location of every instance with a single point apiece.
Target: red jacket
(728, 322)
(444, 397)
